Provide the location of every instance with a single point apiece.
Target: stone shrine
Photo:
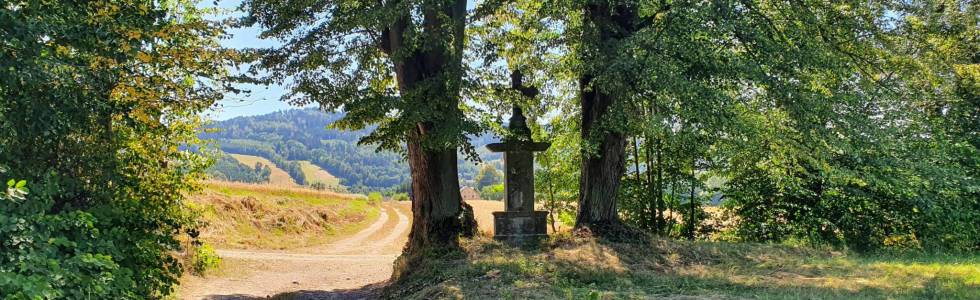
(519, 222)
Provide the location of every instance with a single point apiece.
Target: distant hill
(276, 175)
(289, 139)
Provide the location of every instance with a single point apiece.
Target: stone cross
(519, 221)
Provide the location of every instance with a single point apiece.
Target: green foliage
(851, 124)
(375, 197)
(488, 175)
(228, 168)
(400, 197)
(556, 176)
(888, 169)
(97, 101)
(293, 168)
(320, 186)
(203, 259)
(492, 192)
(393, 65)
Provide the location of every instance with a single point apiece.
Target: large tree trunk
(437, 205)
(602, 170)
(439, 214)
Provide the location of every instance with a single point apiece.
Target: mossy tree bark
(602, 169)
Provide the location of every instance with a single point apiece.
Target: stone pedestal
(519, 223)
(520, 226)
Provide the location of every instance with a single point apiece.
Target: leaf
(21, 184)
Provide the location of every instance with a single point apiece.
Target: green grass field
(247, 216)
(580, 268)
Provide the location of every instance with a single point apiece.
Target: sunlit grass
(248, 216)
(314, 173)
(276, 177)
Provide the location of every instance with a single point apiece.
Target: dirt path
(334, 271)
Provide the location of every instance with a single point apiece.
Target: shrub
(375, 197)
(204, 259)
(99, 120)
(400, 197)
(493, 192)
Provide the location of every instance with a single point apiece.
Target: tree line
(227, 168)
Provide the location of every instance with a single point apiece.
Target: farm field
(277, 177)
(315, 174)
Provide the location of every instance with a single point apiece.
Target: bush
(375, 197)
(493, 192)
(400, 197)
(99, 120)
(204, 259)
(320, 186)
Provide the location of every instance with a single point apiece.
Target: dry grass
(314, 173)
(247, 216)
(483, 212)
(584, 268)
(279, 190)
(277, 177)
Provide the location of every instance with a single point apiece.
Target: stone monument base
(520, 226)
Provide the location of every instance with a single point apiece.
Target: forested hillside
(287, 137)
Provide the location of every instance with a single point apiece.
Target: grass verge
(582, 268)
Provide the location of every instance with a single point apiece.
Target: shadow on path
(371, 291)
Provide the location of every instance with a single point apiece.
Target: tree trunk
(691, 201)
(437, 204)
(654, 217)
(602, 171)
(439, 215)
(645, 208)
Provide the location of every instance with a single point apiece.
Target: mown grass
(276, 177)
(314, 173)
(583, 268)
(246, 216)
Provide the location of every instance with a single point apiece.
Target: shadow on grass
(371, 291)
(571, 268)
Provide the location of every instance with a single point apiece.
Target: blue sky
(262, 99)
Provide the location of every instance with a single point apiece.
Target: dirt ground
(346, 269)
(356, 261)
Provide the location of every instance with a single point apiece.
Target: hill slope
(297, 135)
(277, 175)
(314, 174)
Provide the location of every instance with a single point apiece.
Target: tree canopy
(97, 101)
